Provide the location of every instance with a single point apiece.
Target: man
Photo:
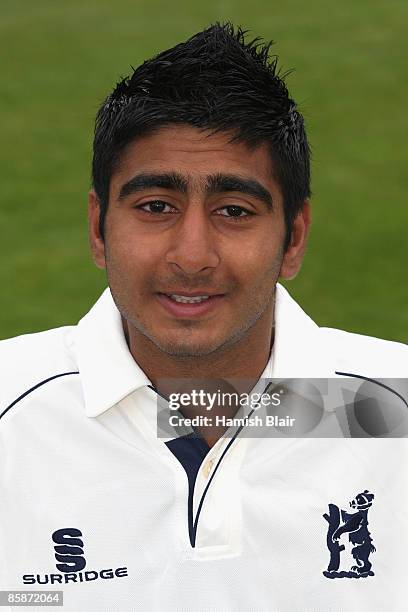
(200, 202)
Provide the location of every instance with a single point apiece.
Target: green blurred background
(60, 59)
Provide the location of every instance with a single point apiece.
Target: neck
(247, 358)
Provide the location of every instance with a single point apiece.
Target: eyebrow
(215, 183)
(140, 182)
(221, 183)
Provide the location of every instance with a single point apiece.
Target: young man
(200, 202)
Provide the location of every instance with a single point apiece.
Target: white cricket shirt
(93, 503)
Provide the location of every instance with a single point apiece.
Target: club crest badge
(354, 525)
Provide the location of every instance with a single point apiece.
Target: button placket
(219, 532)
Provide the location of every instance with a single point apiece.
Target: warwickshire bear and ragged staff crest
(356, 526)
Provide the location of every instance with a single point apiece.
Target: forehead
(196, 154)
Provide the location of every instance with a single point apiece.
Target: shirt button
(207, 467)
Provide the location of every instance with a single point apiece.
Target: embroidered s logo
(69, 550)
(356, 526)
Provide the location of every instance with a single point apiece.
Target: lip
(185, 293)
(189, 311)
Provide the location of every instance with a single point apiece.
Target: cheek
(259, 260)
(131, 250)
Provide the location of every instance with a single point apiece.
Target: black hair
(216, 80)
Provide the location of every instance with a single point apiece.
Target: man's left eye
(234, 211)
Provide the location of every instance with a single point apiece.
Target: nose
(193, 245)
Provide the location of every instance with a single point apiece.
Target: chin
(182, 349)
(175, 345)
(186, 347)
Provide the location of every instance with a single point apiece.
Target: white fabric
(81, 452)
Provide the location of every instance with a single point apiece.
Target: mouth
(188, 305)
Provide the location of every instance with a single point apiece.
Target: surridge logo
(70, 557)
(70, 550)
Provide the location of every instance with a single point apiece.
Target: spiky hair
(218, 81)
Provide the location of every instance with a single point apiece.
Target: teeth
(189, 300)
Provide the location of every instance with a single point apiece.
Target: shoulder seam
(40, 384)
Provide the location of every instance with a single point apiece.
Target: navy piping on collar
(376, 382)
(40, 384)
(153, 388)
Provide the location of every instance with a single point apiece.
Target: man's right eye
(157, 206)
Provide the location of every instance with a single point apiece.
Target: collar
(300, 350)
(109, 373)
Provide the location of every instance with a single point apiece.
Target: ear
(292, 260)
(96, 241)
